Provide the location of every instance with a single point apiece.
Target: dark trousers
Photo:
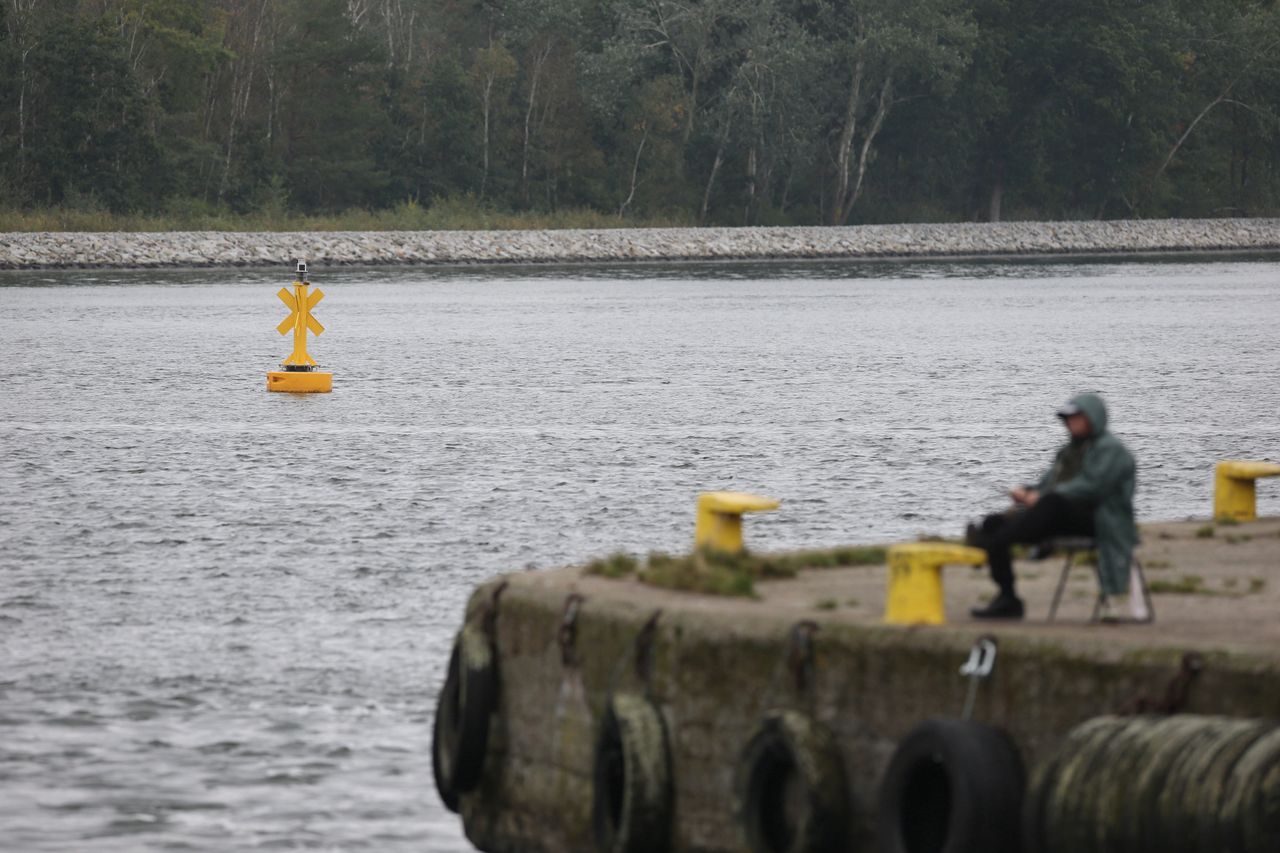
(1052, 515)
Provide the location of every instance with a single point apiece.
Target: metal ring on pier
(792, 794)
(633, 793)
(461, 731)
(953, 786)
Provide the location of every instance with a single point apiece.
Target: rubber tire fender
(1052, 817)
(632, 790)
(460, 733)
(791, 790)
(952, 786)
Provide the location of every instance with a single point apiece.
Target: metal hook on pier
(644, 649)
(800, 658)
(568, 633)
(1176, 692)
(981, 662)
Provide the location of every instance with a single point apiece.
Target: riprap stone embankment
(137, 250)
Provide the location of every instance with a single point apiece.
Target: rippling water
(224, 612)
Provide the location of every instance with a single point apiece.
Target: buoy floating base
(300, 381)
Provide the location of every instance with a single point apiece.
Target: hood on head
(1094, 409)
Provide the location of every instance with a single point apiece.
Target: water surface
(224, 612)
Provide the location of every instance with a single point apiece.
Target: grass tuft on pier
(718, 573)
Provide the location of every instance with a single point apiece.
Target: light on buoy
(300, 375)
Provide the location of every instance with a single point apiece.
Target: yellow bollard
(299, 375)
(719, 524)
(1235, 493)
(915, 580)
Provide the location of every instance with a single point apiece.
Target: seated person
(1088, 491)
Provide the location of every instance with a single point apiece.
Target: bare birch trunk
(19, 21)
(844, 152)
(635, 172)
(22, 107)
(877, 121)
(1186, 133)
(711, 179)
(484, 101)
(540, 58)
(997, 193)
(401, 38)
(693, 106)
(241, 92)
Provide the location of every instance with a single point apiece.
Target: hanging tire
(632, 796)
(1180, 784)
(792, 795)
(1254, 790)
(952, 786)
(461, 730)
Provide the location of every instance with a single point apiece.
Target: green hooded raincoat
(1106, 480)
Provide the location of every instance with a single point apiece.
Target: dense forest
(707, 111)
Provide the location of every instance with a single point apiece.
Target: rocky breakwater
(42, 250)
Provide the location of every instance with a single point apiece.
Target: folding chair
(1072, 545)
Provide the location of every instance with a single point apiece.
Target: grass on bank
(455, 214)
(1195, 585)
(717, 573)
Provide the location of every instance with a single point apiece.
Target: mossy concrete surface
(720, 664)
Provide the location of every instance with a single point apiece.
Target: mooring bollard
(719, 523)
(299, 375)
(915, 580)
(1235, 494)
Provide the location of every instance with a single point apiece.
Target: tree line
(709, 111)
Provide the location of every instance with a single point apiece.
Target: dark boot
(973, 535)
(1006, 605)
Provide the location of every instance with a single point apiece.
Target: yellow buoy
(300, 381)
(299, 375)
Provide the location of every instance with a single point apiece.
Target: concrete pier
(720, 663)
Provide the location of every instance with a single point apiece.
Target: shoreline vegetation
(462, 214)
(708, 112)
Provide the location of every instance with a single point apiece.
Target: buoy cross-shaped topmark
(300, 320)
